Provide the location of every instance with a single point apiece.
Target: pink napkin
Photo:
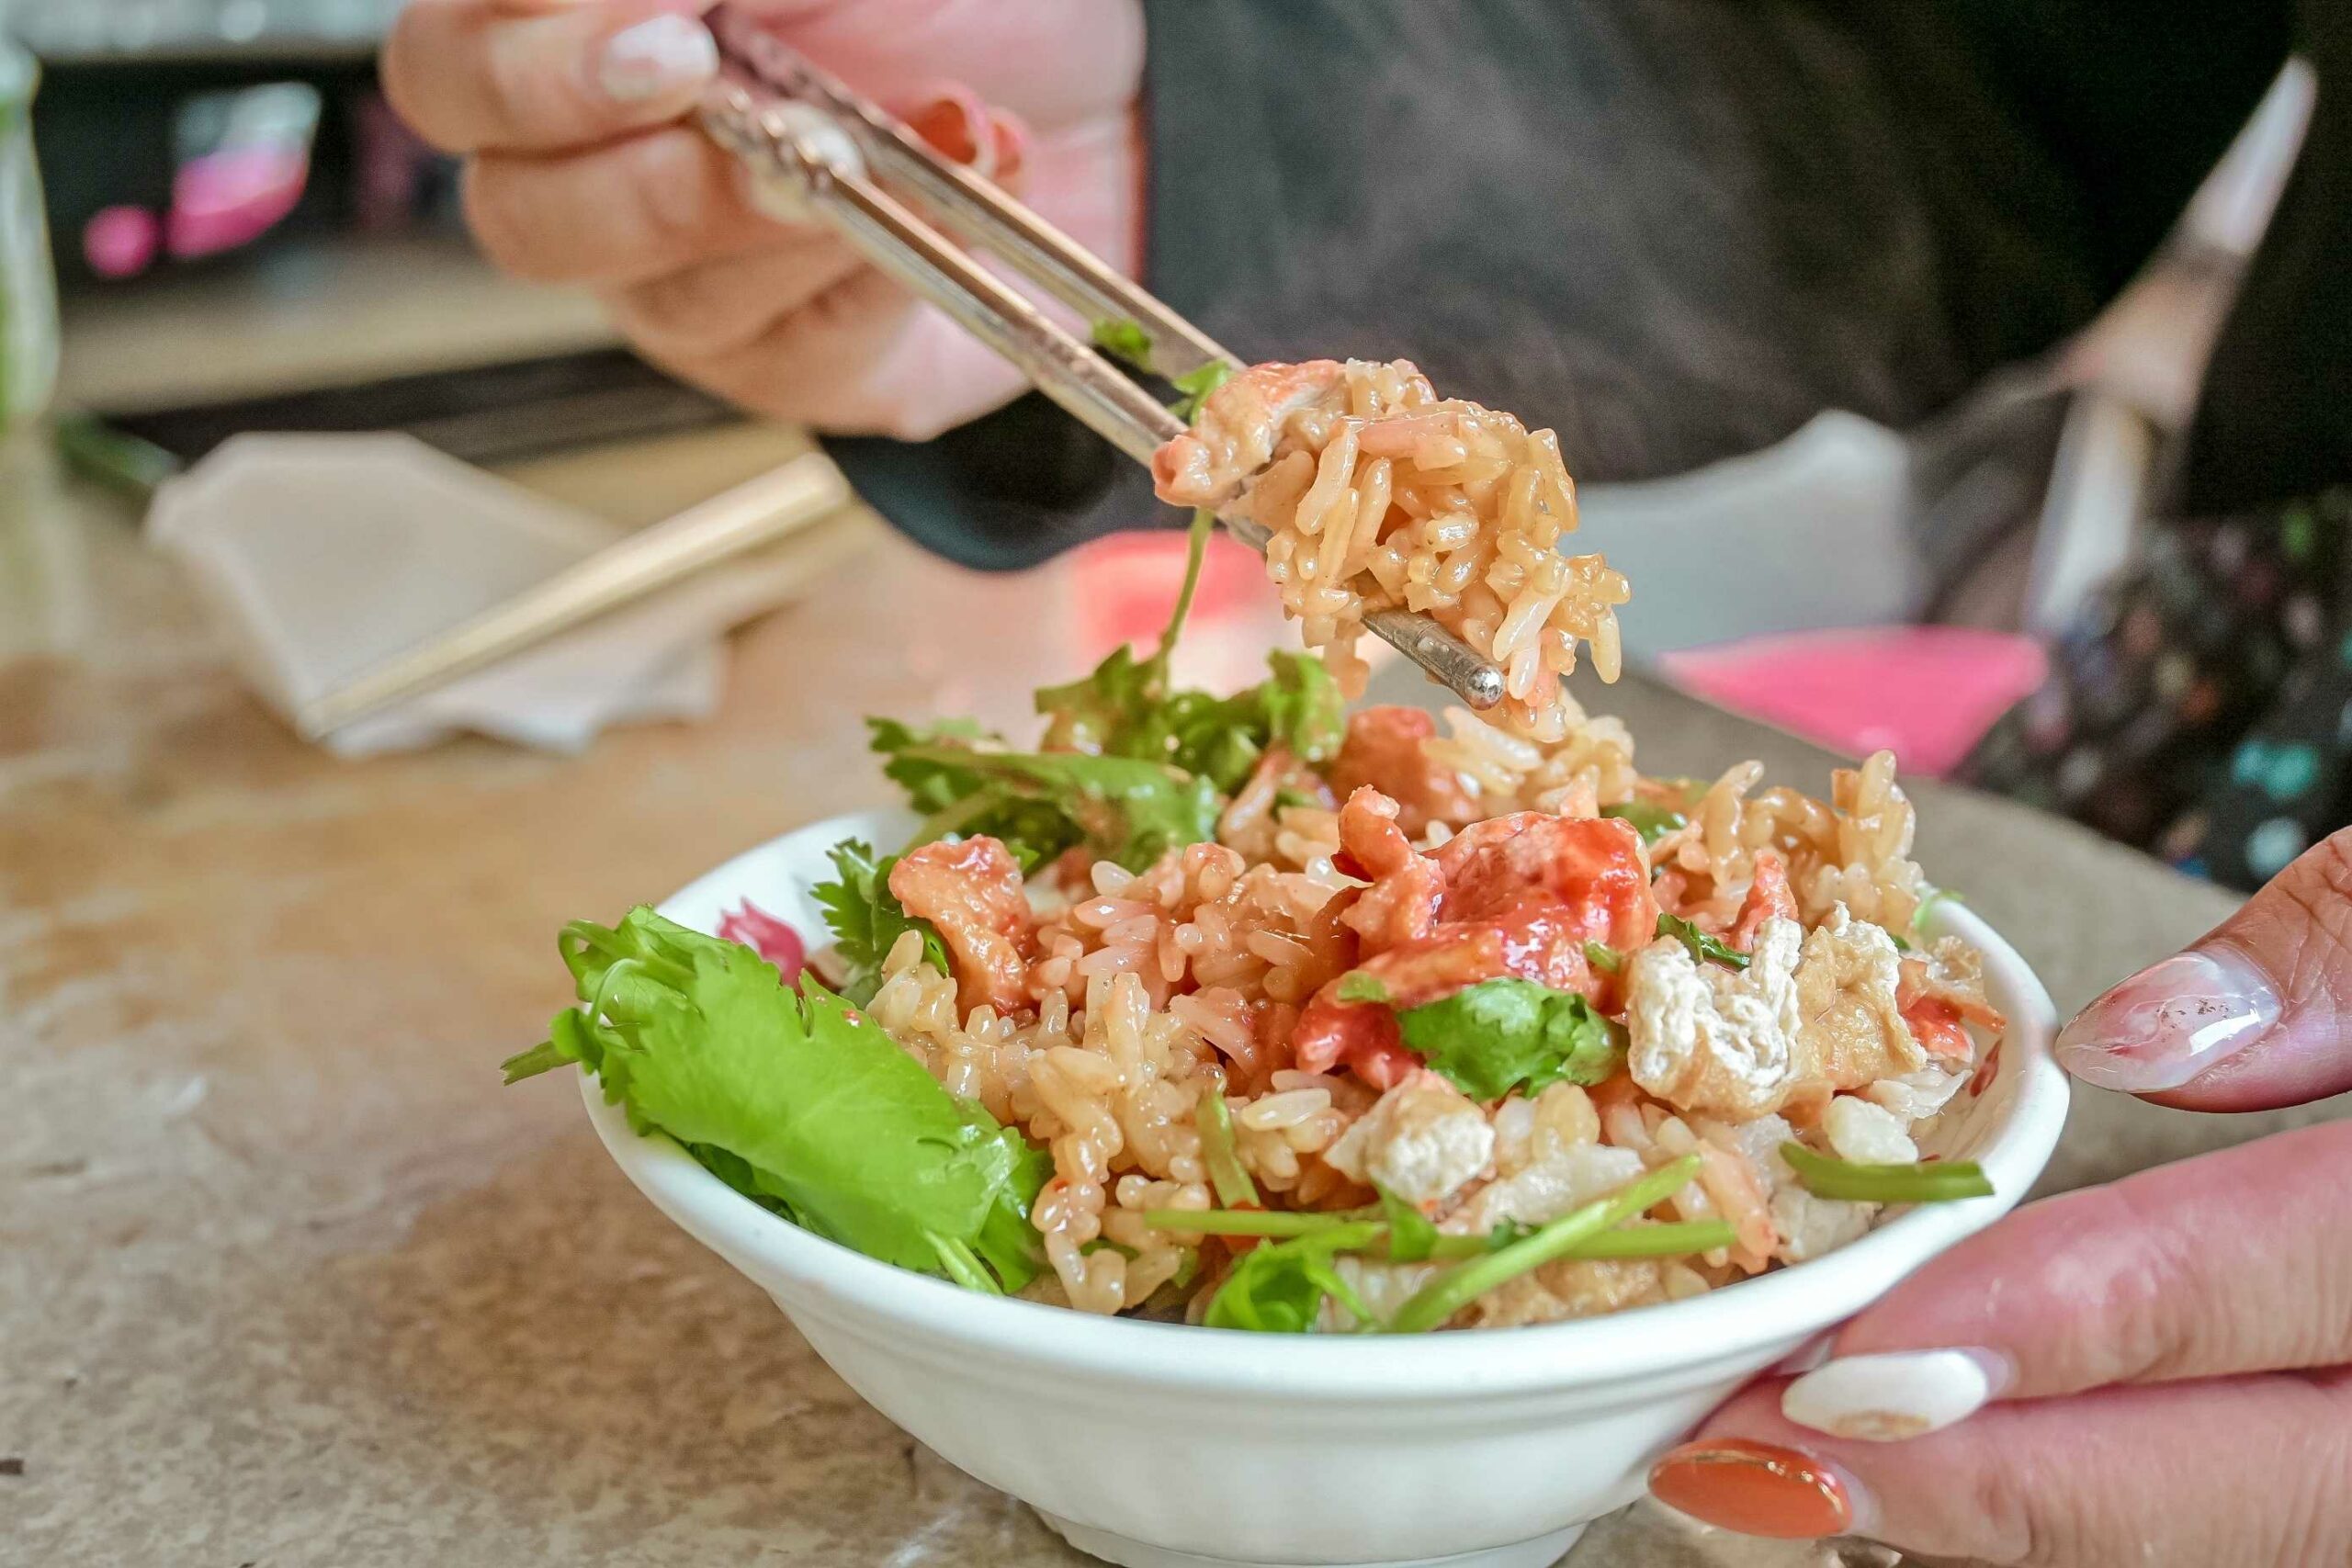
(1928, 693)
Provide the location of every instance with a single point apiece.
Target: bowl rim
(1786, 1305)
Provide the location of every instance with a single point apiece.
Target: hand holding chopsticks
(818, 150)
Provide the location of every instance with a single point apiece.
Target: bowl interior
(2010, 1130)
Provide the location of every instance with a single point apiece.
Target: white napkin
(322, 555)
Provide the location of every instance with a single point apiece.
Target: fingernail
(1010, 133)
(662, 55)
(1899, 1393)
(953, 123)
(2170, 1023)
(1756, 1489)
(1805, 1356)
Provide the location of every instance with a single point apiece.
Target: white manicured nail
(1901, 1394)
(663, 55)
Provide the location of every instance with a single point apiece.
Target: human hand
(2154, 1371)
(579, 171)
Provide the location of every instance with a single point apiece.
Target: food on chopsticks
(1248, 1012)
(1378, 493)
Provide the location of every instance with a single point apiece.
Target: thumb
(2258, 1014)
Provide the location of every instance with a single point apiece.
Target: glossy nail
(1756, 1489)
(1894, 1395)
(658, 56)
(2171, 1021)
(956, 122)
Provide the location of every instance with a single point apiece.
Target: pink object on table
(764, 935)
(232, 198)
(1128, 583)
(1928, 693)
(122, 242)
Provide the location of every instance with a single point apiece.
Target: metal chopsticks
(757, 513)
(817, 149)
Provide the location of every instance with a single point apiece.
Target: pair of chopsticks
(819, 151)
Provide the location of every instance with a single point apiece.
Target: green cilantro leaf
(1510, 1034)
(1603, 957)
(1041, 803)
(1702, 945)
(1651, 820)
(1125, 339)
(1197, 386)
(1356, 986)
(812, 1106)
(1280, 1288)
(867, 920)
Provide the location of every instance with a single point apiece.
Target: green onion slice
(1929, 1181)
(1465, 1282)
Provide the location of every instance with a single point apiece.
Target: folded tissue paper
(325, 555)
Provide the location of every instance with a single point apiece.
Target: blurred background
(227, 233)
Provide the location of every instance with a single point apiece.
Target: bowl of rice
(1153, 1443)
(1253, 1132)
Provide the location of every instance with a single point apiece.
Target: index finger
(539, 75)
(2235, 1262)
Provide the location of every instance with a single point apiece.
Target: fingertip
(666, 60)
(2172, 1023)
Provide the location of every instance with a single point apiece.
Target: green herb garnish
(1934, 895)
(1245, 1221)
(1221, 1155)
(1438, 1300)
(1125, 339)
(1357, 986)
(1669, 1239)
(1411, 1236)
(1280, 1288)
(816, 1112)
(867, 920)
(1123, 709)
(1197, 386)
(1508, 1034)
(1929, 1181)
(1702, 945)
(1603, 957)
(1041, 803)
(1651, 820)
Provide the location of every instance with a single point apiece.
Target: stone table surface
(285, 1277)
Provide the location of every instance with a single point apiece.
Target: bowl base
(1540, 1552)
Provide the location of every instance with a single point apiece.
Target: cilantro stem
(963, 1265)
(1678, 1238)
(1459, 1286)
(1674, 1239)
(1232, 1181)
(1929, 1181)
(1196, 550)
(1243, 1221)
(540, 1058)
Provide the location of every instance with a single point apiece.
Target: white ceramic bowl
(1157, 1445)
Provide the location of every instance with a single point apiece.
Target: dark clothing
(1675, 230)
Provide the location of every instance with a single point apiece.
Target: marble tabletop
(287, 1278)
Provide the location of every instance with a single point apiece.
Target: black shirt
(1675, 230)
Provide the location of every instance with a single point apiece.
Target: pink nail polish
(2171, 1021)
